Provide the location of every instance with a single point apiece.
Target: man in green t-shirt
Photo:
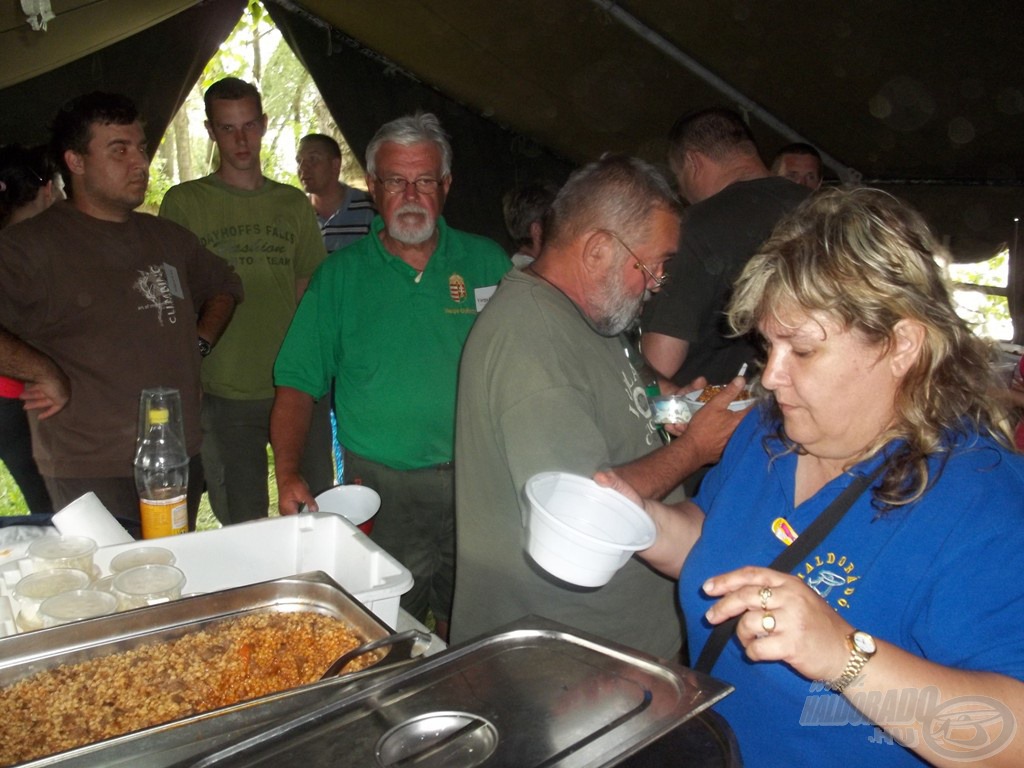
(268, 233)
(386, 318)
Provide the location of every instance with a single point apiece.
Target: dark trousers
(235, 437)
(416, 526)
(16, 454)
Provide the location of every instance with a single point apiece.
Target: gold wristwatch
(862, 648)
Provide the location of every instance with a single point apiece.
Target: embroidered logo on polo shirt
(832, 577)
(457, 288)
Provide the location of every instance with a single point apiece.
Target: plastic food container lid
(35, 588)
(43, 584)
(75, 605)
(133, 558)
(150, 580)
(61, 547)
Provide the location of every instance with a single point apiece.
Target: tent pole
(846, 174)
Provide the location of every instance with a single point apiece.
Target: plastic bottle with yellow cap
(161, 465)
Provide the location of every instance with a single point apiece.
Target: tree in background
(980, 296)
(254, 51)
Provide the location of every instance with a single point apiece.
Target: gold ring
(766, 595)
(768, 622)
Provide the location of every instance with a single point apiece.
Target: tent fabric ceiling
(926, 100)
(80, 27)
(155, 66)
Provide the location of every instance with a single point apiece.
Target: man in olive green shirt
(268, 233)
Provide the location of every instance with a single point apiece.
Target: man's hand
(711, 427)
(289, 424)
(694, 386)
(47, 387)
(292, 493)
(47, 396)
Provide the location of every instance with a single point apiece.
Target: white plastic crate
(276, 547)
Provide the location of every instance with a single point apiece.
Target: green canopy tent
(924, 100)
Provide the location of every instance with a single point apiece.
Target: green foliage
(12, 503)
(988, 314)
(254, 51)
(159, 183)
(994, 272)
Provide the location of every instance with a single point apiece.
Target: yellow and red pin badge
(784, 531)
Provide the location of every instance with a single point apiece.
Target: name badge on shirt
(483, 295)
(173, 281)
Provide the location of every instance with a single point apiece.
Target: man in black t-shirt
(735, 203)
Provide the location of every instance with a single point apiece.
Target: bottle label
(164, 517)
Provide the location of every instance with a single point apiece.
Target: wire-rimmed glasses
(396, 185)
(638, 264)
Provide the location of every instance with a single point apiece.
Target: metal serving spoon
(413, 635)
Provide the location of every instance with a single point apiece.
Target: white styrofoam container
(276, 547)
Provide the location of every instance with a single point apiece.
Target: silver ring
(766, 595)
(768, 622)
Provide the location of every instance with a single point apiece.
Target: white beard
(411, 234)
(618, 308)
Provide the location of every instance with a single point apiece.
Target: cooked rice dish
(224, 663)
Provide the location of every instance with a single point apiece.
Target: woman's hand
(781, 619)
(677, 526)
(610, 479)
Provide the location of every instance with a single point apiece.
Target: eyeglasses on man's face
(659, 281)
(396, 185)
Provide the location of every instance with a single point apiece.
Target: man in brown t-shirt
(98, 302)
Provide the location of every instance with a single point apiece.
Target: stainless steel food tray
(28, 653)
(537, 694)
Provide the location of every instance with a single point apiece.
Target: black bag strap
(789, 558)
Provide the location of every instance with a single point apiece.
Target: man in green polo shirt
(387, 317)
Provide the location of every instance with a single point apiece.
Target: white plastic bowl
(356, 503)
(580, 532)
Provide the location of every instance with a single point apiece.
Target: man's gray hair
(406, 131)
(616, 192)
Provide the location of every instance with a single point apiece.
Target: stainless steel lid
(537, 694)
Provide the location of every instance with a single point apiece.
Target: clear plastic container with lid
(136, 556)
(32, 590)
(51, 552)
(147, 585)
(75, 605)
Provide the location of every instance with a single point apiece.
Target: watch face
(864, 642)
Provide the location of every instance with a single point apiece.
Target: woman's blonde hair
(867, 261)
